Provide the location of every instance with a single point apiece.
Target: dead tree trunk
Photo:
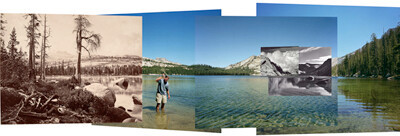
(43, 50)
(79, 50)
(32, 42)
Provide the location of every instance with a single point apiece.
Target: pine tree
(12, 44)
(83, 34)
(32, 34)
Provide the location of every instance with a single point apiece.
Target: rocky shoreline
(61, 102)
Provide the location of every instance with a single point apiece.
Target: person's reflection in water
(162, 120)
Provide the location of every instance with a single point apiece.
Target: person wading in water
(162, 92)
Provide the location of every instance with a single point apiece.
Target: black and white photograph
(315, 61)
(279, 61)
(70, 69)
(299, 86)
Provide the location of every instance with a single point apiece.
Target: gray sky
(120, 35)
(314, 55)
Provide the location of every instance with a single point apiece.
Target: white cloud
(287, 60)
(320, 60)
(309, 49)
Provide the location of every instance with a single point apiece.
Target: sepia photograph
(70, 69)
(279, 61)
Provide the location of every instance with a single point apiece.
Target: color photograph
(70, 69)
(365, 70)
(231, 93)
(168, 65)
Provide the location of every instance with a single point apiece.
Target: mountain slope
(269, 68)
(307, 68)
(95, 61)
(324, 70)
(161, 62)
(253, 62)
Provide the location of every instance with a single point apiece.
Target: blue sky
(221, 41)
(355, 24)
(171, 35)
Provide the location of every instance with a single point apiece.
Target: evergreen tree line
(85, 39)
(13, 65)
(379, 57)
(95, 71)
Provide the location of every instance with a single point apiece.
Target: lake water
(300, 86)
(364, 105)
(243, 101)
(356, 105)
(179, 111)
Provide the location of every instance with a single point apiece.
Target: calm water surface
(243, 101)
(364, 105)
(179, 112)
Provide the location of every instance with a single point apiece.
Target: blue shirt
(162, 87)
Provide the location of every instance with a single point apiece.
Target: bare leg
(157, 107)
(162, 106)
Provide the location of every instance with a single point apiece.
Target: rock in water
(137, 100)
(103, 92)
(122, 83)
(117, 114)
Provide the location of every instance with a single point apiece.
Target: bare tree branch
(87, 51)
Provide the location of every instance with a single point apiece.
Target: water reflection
(179, 111)
(300, 86)
(243, 101)
(162, 120)
(364, 105)
(379, 98)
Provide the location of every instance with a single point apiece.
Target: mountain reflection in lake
(243, 101)
(300, 86)
(364, 105)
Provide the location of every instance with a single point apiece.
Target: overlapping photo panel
(233, 89)
(312, 64)
(362, 67)
(168, 51)
(70, 69)
(279, 61)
